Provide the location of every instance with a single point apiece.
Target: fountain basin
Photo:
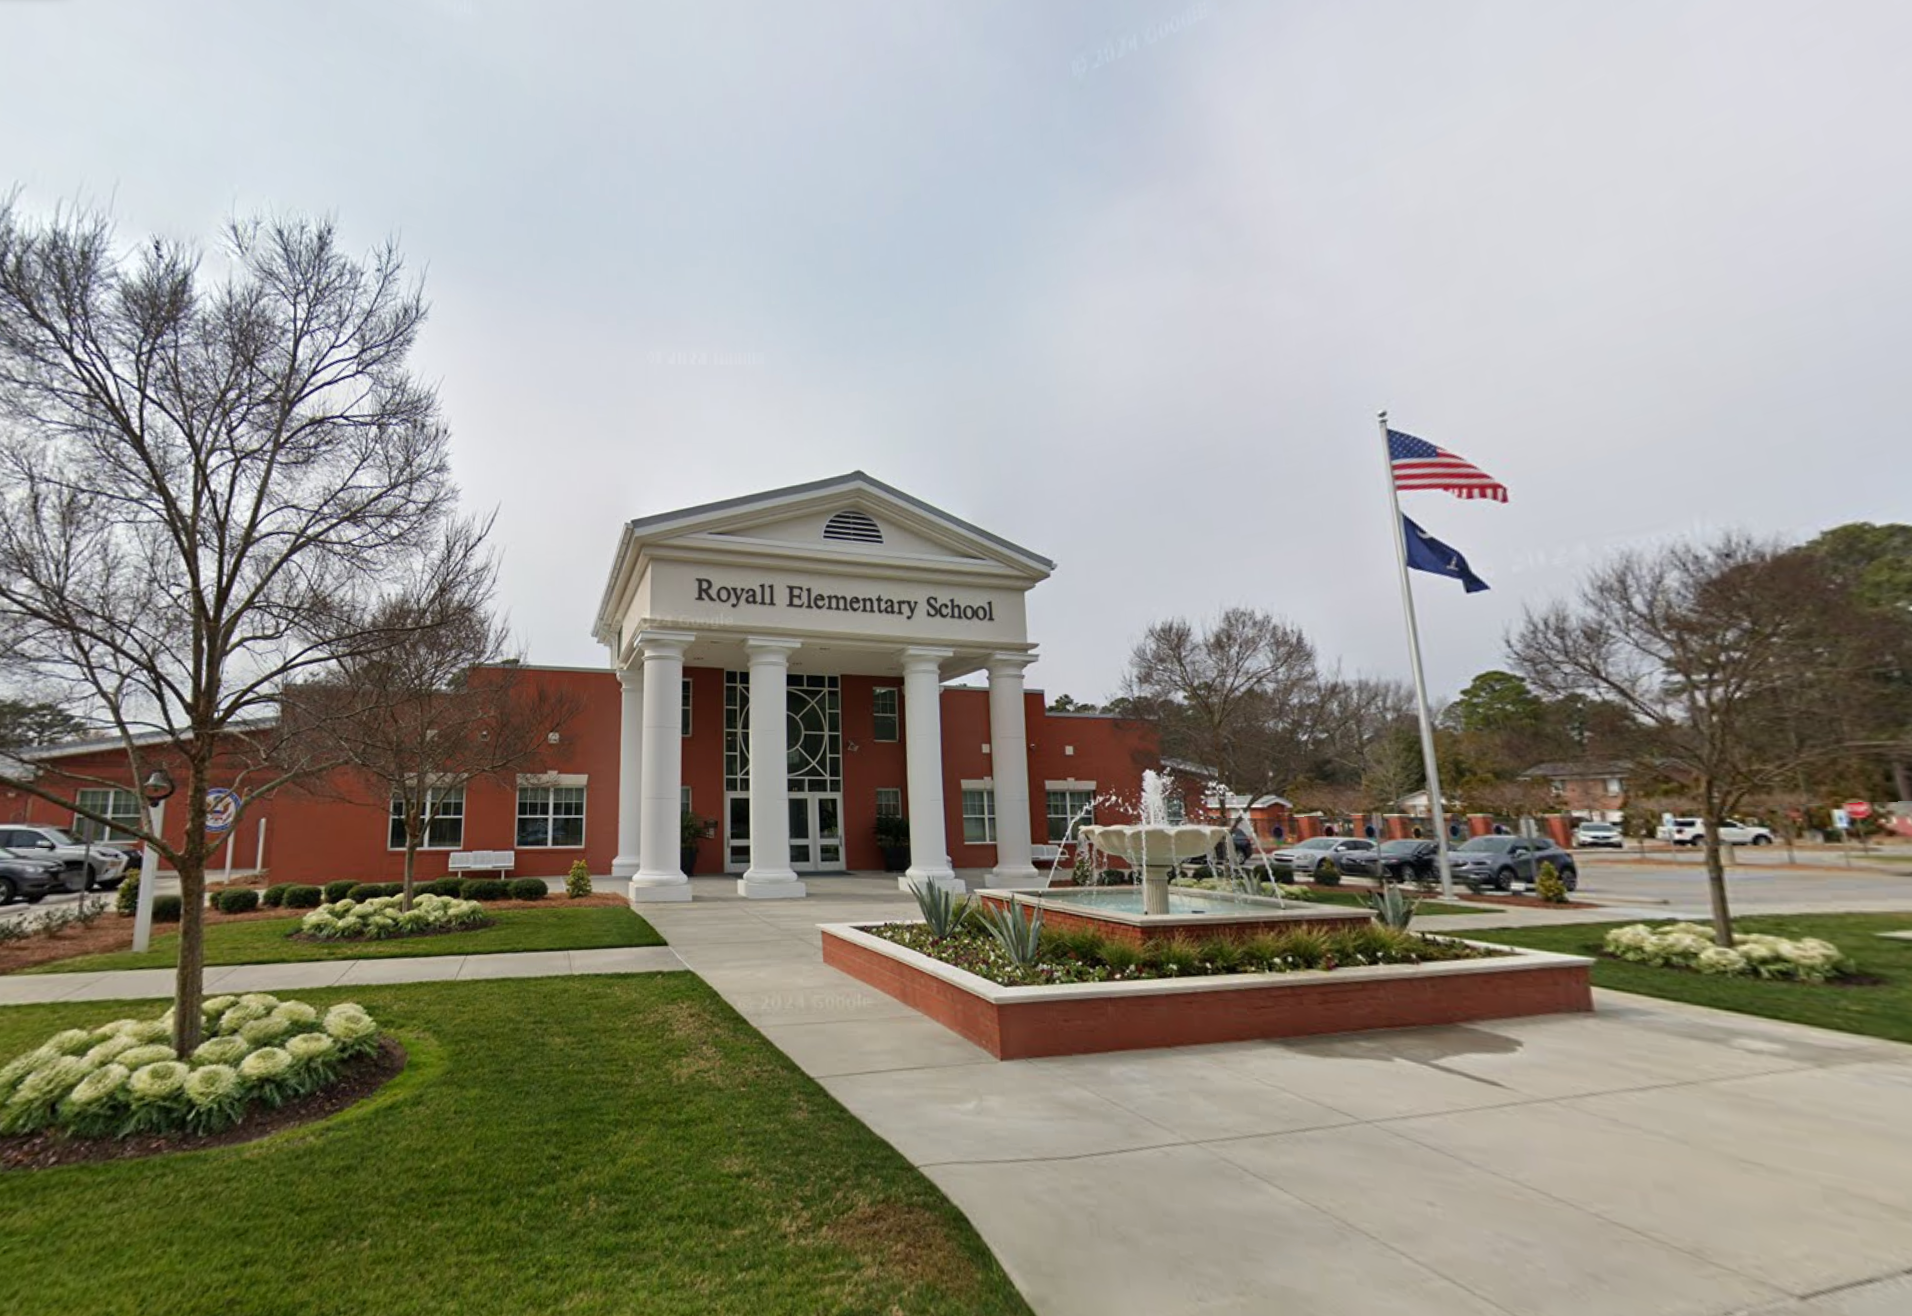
(1120, 913)
(1014, 1023)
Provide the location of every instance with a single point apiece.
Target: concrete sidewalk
(225, 979)
(1648, 1160)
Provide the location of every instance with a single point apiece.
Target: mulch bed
(1526, 902)
(357, 1081)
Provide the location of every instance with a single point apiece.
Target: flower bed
(1073, 956)
(382, 917)
(1752, 955)
(123, 1078)
(1054, 1018)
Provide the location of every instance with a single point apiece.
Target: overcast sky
(1123, 282)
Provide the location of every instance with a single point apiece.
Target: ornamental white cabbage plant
(118, 1079)
(1752, 955)
(381, 917)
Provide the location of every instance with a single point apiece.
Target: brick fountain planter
(1235, 917)
(1015, 1023)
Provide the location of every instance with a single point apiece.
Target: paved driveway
(1649, 1159)
(1762, 890)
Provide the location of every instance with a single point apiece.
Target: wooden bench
(482, 861)
(1043, 855)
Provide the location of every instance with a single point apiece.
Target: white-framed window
(1069, 808)
(445, 820)
(683, 716)
(550, 817)
(886, 717)
(121, 806)
(1176, 807)
(1615, 786)
(683, 800)
(889, 801)
(979, 816)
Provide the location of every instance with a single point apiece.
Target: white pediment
(851, 525)
(854, 527)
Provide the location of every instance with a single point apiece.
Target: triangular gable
(801, 515)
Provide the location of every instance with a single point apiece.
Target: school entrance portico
(845, 605)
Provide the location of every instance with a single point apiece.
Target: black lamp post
(158, 787)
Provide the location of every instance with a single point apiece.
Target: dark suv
(33, 879)
(1501, 861)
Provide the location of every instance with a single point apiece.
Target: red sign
(1857, 809)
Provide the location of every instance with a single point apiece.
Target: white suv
(105, 864)
(1690, 831)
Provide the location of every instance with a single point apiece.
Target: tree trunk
(189, 979)
(411, 854)
(1902, 777)
(1716, 872)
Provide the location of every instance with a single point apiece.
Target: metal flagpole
(1420, 680)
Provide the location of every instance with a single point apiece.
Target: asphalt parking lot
(1681, 884)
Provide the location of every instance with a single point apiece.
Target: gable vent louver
(853, 527)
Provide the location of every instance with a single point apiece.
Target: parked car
(1395, 861)
(1501, 861)
(1590, 834)
(1303, 858)
(103, 865)
(1690, 831)
(31, 878)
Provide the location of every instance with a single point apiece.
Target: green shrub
(484, 888)
(529, 888)
(373, 890)
(1392, 907)
(1327, 873)
(338, 890)
(236, 900)
(126, 899)
(1548, 886)
(303, 897)
(943, 911)
(274, 896)
(442, 886)
(167, 909)
(1019, 939)
(577, 883)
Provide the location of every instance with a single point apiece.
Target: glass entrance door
(816, 833)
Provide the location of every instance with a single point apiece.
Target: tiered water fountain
(1154, 845)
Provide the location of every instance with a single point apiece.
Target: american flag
(1418, 464)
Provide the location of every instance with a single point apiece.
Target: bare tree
(206, 485)
(421, 721)
(1743, 661)
(1237, 696)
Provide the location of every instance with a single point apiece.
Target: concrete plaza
(1649, 1159)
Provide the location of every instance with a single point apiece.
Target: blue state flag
(1426, 553)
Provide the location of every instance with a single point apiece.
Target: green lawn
(580, 1145)
(265, 941)
(1878, 1011)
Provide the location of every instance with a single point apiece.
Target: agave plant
(942, 910)
(1393, 907)
(1020, 938)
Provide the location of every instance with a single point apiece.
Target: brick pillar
(1398, 827)
(1480, 824)
(1307, 826)
(1560, 829)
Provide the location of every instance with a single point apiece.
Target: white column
(1009, 768)
(659, 876)
(923, 757)
(630, 771)
(770, 876)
